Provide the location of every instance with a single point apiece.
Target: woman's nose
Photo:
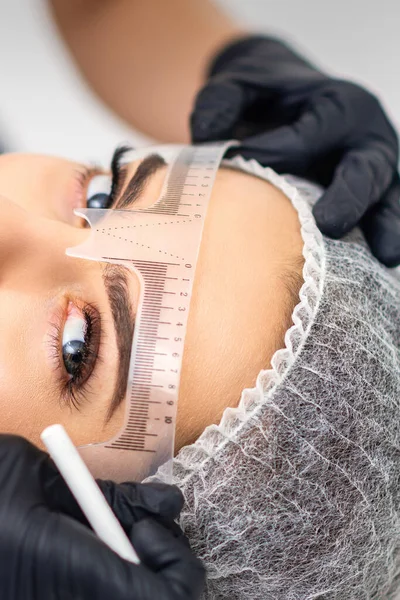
(32, 248)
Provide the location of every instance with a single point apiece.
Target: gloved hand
(48, 552)
(295, 119)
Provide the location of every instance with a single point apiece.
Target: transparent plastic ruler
(161, 244)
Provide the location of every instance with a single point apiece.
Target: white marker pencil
(87, 493)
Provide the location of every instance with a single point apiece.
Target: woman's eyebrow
(115, 279)
(146, 169)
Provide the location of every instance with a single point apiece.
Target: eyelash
(118, 172)
(74, 390)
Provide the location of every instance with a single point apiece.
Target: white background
(46, 107)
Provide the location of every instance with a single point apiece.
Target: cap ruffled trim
(194, 457)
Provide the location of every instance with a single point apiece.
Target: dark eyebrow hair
(115, 279)
(116, 283)
(147, 168)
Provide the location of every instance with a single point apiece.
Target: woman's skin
(145, 59)
(238, 313)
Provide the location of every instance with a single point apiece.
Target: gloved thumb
(217, 109)
(360, 181)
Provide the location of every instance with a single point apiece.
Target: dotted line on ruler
(145, 225)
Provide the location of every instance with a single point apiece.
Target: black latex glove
(47, 551)
(297, 120)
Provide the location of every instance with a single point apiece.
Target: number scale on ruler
(159, 343)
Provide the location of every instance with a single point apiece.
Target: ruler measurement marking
(146, 347)
(144, 415)
(154, 306)
(124, 447)
(140, 415)
(142, 374)
(145, 369)
(139, 435)
(149, 402)
(149, 321)
(141, 392)
(139, 430)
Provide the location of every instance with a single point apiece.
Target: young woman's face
(60, 356)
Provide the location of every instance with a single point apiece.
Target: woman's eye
(98, 191)
(74, 342)
(77, 350)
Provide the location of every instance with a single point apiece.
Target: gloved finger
(163, 554)
(134, 501)
(360, 181)
(381, 226)
(218, 108)
(319, 130)
(223, 101)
